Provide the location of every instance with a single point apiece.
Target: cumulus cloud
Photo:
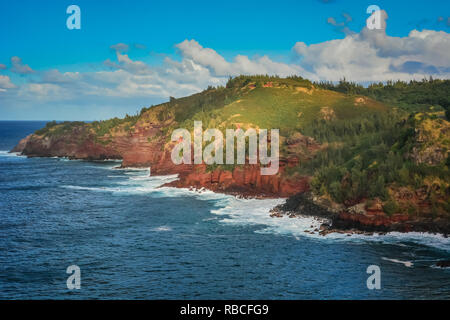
(125, 63)
(372, 55)
(19, 67)
(191, 49)
(206, 57)
(2, 66)
(5, 83)
(127, 78)
(56, 77)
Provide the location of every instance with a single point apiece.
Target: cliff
(377, 167)
(359, 218)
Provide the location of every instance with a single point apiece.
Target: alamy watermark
(374, 21)
(374, 280)
(213, 152)
(74, 20)
(74, 280)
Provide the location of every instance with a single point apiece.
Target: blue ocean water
(134, 240)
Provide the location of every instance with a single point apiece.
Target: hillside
(349, 149)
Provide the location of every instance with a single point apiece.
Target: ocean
(133, 239)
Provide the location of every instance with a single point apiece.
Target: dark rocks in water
(276, 213)
(443, 264)
(301, 203)
(358, 220)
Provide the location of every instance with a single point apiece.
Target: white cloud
(125, 63)
(5, 83)
(44, 90)
(372, 55)
(54, 76)
(206, 57)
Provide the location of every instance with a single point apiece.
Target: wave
(100, 163)
(162, 229)
(407, 264)
(131, 169)
(434, 266)
(5, 153)
(138, 183)
(255, 212)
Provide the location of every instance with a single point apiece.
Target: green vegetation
(106, 126)
(369, 163)
(54, 129)
(379, 141)
(412, 96)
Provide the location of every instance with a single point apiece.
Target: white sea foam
(237, 211)
(132, 170)
(5, 153)
(162, 229)
(408, 264)
(255, 212)
(434, 266)
(138, 185)
(110, 160)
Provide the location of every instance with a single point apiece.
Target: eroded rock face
(22, 143)
(246, 181)
(69, 146)
(147, 145)
(357, 209)
(372, 223)
(358, 219)
(431, 136)
(431, 155)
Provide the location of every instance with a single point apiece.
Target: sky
(131, 54)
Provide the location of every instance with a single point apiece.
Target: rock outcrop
(358, 218)
(245, 181)
(147, 145)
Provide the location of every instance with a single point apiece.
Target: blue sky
(66, 66)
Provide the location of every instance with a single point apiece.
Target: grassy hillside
(291, 105)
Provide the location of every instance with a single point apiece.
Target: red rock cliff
(146, 145)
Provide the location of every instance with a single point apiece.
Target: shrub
(390, 207)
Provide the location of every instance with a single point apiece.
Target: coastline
(238, 209)
(350, 221)
(244, 182)
(336, 220)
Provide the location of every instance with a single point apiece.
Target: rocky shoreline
(356, 219)
(245, 181)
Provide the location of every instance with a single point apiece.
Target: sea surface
(134, 240)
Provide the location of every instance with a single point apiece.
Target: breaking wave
(5, 153)
(254, 212)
